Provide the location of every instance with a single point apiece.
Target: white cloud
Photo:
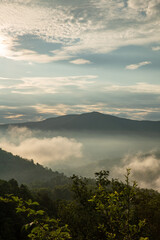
(51, 85)
(145, 169)
(55, 150)
(138, 65)
(15, 135)
(55, 84)
(141, 87)
(156, 48)
(63, 109)
(149, 7)
(92, 26)
(8, 107)
(42, 111)
(32, 56)
(80, 61)
(138, 4)
(14, 116)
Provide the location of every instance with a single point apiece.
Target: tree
(39, 225)
(118, 211)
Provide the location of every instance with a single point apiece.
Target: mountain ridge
(93, 121)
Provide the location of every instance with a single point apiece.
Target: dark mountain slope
(26, 172)
(94, 121)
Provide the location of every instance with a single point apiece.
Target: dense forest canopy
(53, 206)
(101, 208)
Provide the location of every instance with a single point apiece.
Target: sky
(73, 56)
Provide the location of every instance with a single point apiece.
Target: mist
(145, 168)
(86, 153)
(44, 150)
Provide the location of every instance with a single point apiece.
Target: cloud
(145, 168)
(14, 116)
(63, 109)
(54, 150)
(138, 5)
(54, 84)
(7, 107)
(156, 48)
(16, 135)
(48, 85)
(141, 87)
(149, 7)
(42, 111)
(97, 27)
(33, 56)
(80, 61)
(138, 65)
(71, 155)
(8, 50)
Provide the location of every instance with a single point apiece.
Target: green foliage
(79, 214)
(102, 178)
(40, 226)
(96, 210)
(80, 189)
(118, 210)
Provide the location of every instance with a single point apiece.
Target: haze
(86, 153)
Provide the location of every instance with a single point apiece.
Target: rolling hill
(94, 122)
(27, 172)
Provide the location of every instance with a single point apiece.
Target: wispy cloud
(141, 87)
(48, 85)
(63, 109)
(32, 56)
(56, 84)
(156, 48)
(94, 27)
(7, 107)
(138, 65)
(15, 116)
(80, 61)
(42, 111)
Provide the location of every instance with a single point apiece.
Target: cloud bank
(145, 169)
(48, 151)
(88, 154)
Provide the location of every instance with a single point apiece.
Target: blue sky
(71, 56)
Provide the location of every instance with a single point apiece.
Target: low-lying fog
(86, 153)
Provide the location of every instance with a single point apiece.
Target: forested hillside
(27, 172)
(107, 209)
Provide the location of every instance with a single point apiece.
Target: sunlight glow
(3, 47)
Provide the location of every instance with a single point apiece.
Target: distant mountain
(94, 121)
(27, 172)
